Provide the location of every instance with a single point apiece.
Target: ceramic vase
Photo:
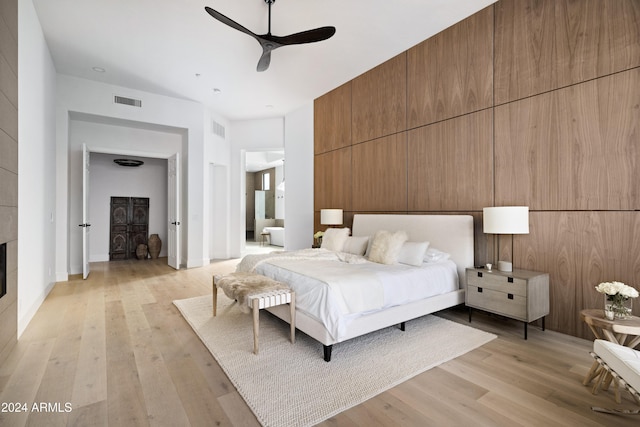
(155, 244)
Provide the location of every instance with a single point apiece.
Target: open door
(173, 248)
(85, 212)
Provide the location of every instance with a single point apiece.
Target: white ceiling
(174, 48)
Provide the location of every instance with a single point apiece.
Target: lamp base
(505, 266)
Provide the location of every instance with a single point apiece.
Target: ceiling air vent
(217, 128)
(127, 101)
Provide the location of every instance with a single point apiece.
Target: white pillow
(434, 255)
(412, 253)
(334, 239)
(356, 245)
(386, 246)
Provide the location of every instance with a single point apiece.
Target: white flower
(614, 288)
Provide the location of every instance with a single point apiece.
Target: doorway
(129, 226)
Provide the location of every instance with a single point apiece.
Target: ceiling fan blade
(230, 22)
(264, 61)
(309, 36)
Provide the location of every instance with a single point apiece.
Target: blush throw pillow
(386, 246)
(334, 239)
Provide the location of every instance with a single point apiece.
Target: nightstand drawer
(505, 303)
(497, 282)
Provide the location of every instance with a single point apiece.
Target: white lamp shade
(506, 220)
(330, 216)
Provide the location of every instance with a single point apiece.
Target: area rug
(291, 385)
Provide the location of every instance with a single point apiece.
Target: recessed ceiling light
(98, 69)
(217, 90)
(269, 106)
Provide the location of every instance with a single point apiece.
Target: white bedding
(334, 304)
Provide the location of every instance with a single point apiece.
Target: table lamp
(331, 216)
(506, 220)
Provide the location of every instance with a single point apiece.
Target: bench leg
(214, 291)
(256, 326)
(593, 372)
(292, 307)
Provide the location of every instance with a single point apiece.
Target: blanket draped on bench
(240, 286)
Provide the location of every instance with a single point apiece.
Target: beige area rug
(291, 385)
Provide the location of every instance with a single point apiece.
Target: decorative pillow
(386, 246)
(434, 255)
(356, 245)
(334, 239)
(412, 253)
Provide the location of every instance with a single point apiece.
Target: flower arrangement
(318, 237)
(617, 299)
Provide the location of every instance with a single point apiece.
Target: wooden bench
(254, 292)
(619, 365)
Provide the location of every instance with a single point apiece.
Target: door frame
(152, 155)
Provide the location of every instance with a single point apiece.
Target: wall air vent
(217, 129)
(127, 101)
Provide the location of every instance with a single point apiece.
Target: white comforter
(334, 288)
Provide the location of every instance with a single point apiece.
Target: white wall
(298, 145)
(216, 190)
(36, 154)
(107, 180)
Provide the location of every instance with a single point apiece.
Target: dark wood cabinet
(129, 226)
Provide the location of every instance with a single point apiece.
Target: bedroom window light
(506, 220)
(266, 181)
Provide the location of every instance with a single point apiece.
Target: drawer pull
(479, 273)
(510, 279)
(480, 290)
(510, 296)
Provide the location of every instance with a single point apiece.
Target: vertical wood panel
(452, 72)
(450, 164)
(9, 172)
(332, 119)
(564, 140)
(332, 181)
(380, 174)
(574, 148)
(379, 100)
(548, 44)
(580, 250)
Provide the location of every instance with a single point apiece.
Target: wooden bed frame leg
(327, 352)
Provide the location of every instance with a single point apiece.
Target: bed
(408, 291)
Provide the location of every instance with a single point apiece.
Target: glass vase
(617, 307)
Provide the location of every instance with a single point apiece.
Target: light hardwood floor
(116, 348)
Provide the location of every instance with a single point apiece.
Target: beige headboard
(449, 233)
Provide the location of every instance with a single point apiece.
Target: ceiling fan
(270, 42)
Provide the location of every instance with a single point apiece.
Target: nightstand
(521, 294)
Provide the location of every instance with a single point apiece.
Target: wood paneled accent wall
(527, 102)
(9, 170)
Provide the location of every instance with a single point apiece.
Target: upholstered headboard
(449, 233)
